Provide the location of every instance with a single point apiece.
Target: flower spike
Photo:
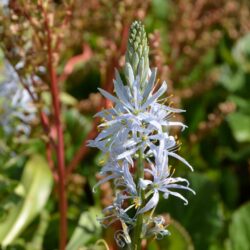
(135, 133)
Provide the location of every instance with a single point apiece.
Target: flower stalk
(136, 240)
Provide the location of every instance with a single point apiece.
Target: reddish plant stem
(60, 140)
(46, 127)
(50, 161)
(49, 145)
(66, 21)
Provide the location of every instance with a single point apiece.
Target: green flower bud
(137, 52)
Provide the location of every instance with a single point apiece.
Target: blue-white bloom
(16, 103)
(135, 121)
(137, 128)
(156, 227)
(162, 182)
(115, 212)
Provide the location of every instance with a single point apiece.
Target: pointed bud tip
(137, 49)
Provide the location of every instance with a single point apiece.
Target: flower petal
(180, 159)
(151, 203)
(176, 194)
(155, 96)
(109, 96)
(129, 180)
(150, 84)
(144, 183)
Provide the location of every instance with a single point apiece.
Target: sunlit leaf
(240, 124)
(241, 52)
(36, 184)
(38, 238)
(202, 217)
(232, 81)
(239, 229)
(88, 230)
(179, 239)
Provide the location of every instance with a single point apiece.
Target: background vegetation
(202, 49)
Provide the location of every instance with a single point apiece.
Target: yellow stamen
(101, 162)
(137, 202)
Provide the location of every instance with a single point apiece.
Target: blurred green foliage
(218, 217)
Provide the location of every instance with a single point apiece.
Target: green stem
(136, 239)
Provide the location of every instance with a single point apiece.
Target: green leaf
(232, 80)
(87, 231)
(202, 217)
(239, 229)
(38, 238)
(8, 197)
(229, 187)
(243, 104)
(241, 53)
(240, 125)
(35, 186)
(225, 53)
(179, 239)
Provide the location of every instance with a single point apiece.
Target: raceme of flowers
(136, 130)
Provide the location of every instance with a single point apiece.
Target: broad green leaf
(87, 231)
(239, 229)
(202, 217)
(240, 125)
(35, 186)
(179, 239)
(229, 187)
(152, 245)
(38, 238)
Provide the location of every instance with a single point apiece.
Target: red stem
(44, 119)
(60, 141)
(49, 144)
(46, 127)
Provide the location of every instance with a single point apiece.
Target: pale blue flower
(135, 121)
(155, 227)
(111, 170)
(16, 103)
(162, 182)
(122, 238)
